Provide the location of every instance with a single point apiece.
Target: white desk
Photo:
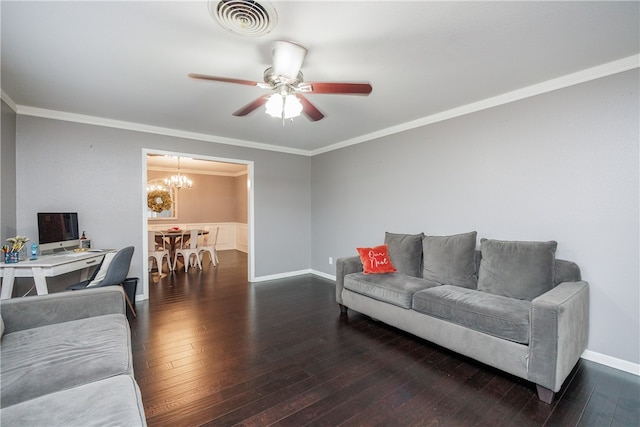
(47, 266)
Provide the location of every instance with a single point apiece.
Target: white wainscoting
(232, 235)
(242, 237)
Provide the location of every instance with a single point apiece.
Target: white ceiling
(128, 61)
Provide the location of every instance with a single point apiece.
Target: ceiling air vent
(244, 17)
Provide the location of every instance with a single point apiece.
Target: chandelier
(156, 187)
(178, 181)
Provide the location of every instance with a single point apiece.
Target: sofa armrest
(559, 333)
(346, 266)
(31, 312)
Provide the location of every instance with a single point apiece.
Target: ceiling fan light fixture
(287, 81)
(283, 106)
(287, 59)
(244, 17)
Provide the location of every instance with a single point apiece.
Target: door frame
(143, 209)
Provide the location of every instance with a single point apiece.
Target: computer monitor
(58, 231)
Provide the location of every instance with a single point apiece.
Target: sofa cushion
(450, 260)
(405, 251)
(396, 289)
(113, 401)
(376, 260)
(522, 270)
(495, 315)
(55, 357)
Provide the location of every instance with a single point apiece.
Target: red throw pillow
(376, 260)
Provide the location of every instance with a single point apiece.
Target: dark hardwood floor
(210, 348)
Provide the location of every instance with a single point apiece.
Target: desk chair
(210, 247)
(187, 251)
(112, 271)
(158, 252)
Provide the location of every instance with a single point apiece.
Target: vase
(11, 257)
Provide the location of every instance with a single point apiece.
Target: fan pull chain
(284, 101)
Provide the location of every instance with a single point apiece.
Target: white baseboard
(280, 276)
(612, 362)
(325, 275)
(293, 274)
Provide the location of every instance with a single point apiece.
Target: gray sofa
(510, 305)
(66, 361)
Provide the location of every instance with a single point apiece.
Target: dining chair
(209, 246)
(188, 250)
(158, 252)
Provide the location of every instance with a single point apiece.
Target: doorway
(208, 201)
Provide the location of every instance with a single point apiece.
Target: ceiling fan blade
(309, 110)
(287, 59)
(338, 88)
(256, 103)
(223, 79)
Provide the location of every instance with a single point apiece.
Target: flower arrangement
(159, 200)
(16, 243)
(12, 251)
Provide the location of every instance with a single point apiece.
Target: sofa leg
(343, 309)
(545, 394)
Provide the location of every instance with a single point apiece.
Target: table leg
(7, 283)
(84, 274)
(40, 280)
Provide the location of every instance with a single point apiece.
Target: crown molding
(119, 124)
(604, 70)
(583, 76)
(7, 99)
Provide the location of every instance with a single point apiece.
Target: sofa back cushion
(450, 260)
(564, 271)
(405, 251)
(522, 270)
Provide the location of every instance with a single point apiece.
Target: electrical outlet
(330, 260)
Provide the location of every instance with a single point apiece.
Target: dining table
(174, 237)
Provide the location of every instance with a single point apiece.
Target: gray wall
(7, 174)
(97, 171)
(560, 166)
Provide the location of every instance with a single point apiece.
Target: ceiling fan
(286, 80)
